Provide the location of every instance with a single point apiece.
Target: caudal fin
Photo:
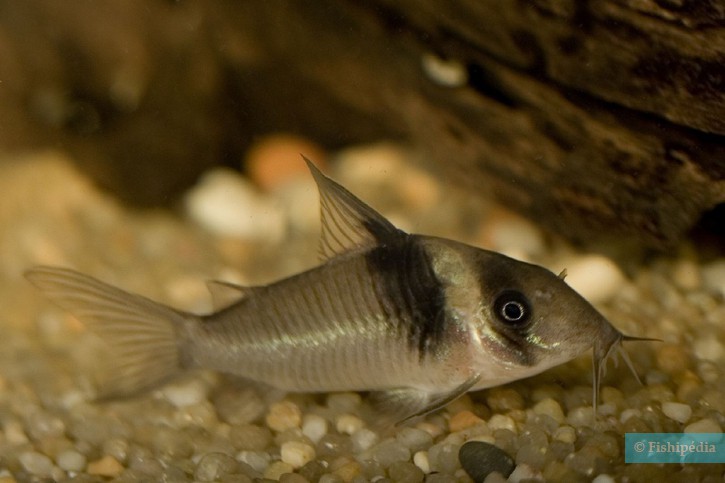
(142, 335)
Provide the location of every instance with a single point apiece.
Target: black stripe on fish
(410, 292)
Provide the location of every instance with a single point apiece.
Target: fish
(415, 320)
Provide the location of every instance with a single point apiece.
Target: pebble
(501, 399)
(595, 277)
(258, 460)
(43, 425)
(225, 203)
(565, 434)
(420, 459)
(276, 159)
(314, 427)
(296, 453)
(36, 464)
(514, 236)
(603, 478)
(405, 472)
(389, 451)
(672, 358)
(463, 420)
(523, 473)
(348, 424)
(239, 407)
(14, 433)
(708, 348)
(678, 411)
(106, 466)
(500, 421)
(713, 275)
(414, 439)
(581, 416)
(284, 415)
(551, 408)
(480, 459)
(444, 457)
(214, 466)
(71, 460)
(250, 437)
(185, 393)
(706, 425)
(347, 471)
(444, 72)
(277, 469)
(363, 439)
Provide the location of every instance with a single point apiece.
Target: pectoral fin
(402, 405)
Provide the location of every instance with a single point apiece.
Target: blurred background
(602, 122)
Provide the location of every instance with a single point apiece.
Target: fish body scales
(332, 328)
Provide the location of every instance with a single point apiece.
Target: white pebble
(629, 413)
(581, 416)
(314, 427)
(36, 463)
(444, 72)
(595, 277)
(296, 453)
(708, 348)
(420, 459)
(678, 411)
(225, 203)
(703, 426)
(363, 439)
(348, 424)
(603, 478)
(500, 421)
(516, 237)
(551, 408)
(71, 460)
(523, 472)
(258, 460)
(713, 275)
(185, 393)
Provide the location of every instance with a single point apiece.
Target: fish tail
(144, 337)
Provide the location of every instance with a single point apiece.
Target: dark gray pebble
(480, 459)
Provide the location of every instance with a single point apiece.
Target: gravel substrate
(208, 427)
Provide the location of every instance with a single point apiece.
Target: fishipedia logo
(674, 448)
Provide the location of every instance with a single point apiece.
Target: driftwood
(599, 119)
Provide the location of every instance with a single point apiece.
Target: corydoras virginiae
(418, 320)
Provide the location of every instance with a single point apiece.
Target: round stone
(71, 460)
(314, 427)
(296, 453)
(678, 411)
(36, 464)
(284, 415)
(480, 459)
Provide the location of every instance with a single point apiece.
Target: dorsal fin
(224, 294)
(347, 222)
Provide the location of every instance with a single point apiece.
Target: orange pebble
(463, 420)
(275, 159)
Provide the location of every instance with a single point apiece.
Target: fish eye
(512, 308)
